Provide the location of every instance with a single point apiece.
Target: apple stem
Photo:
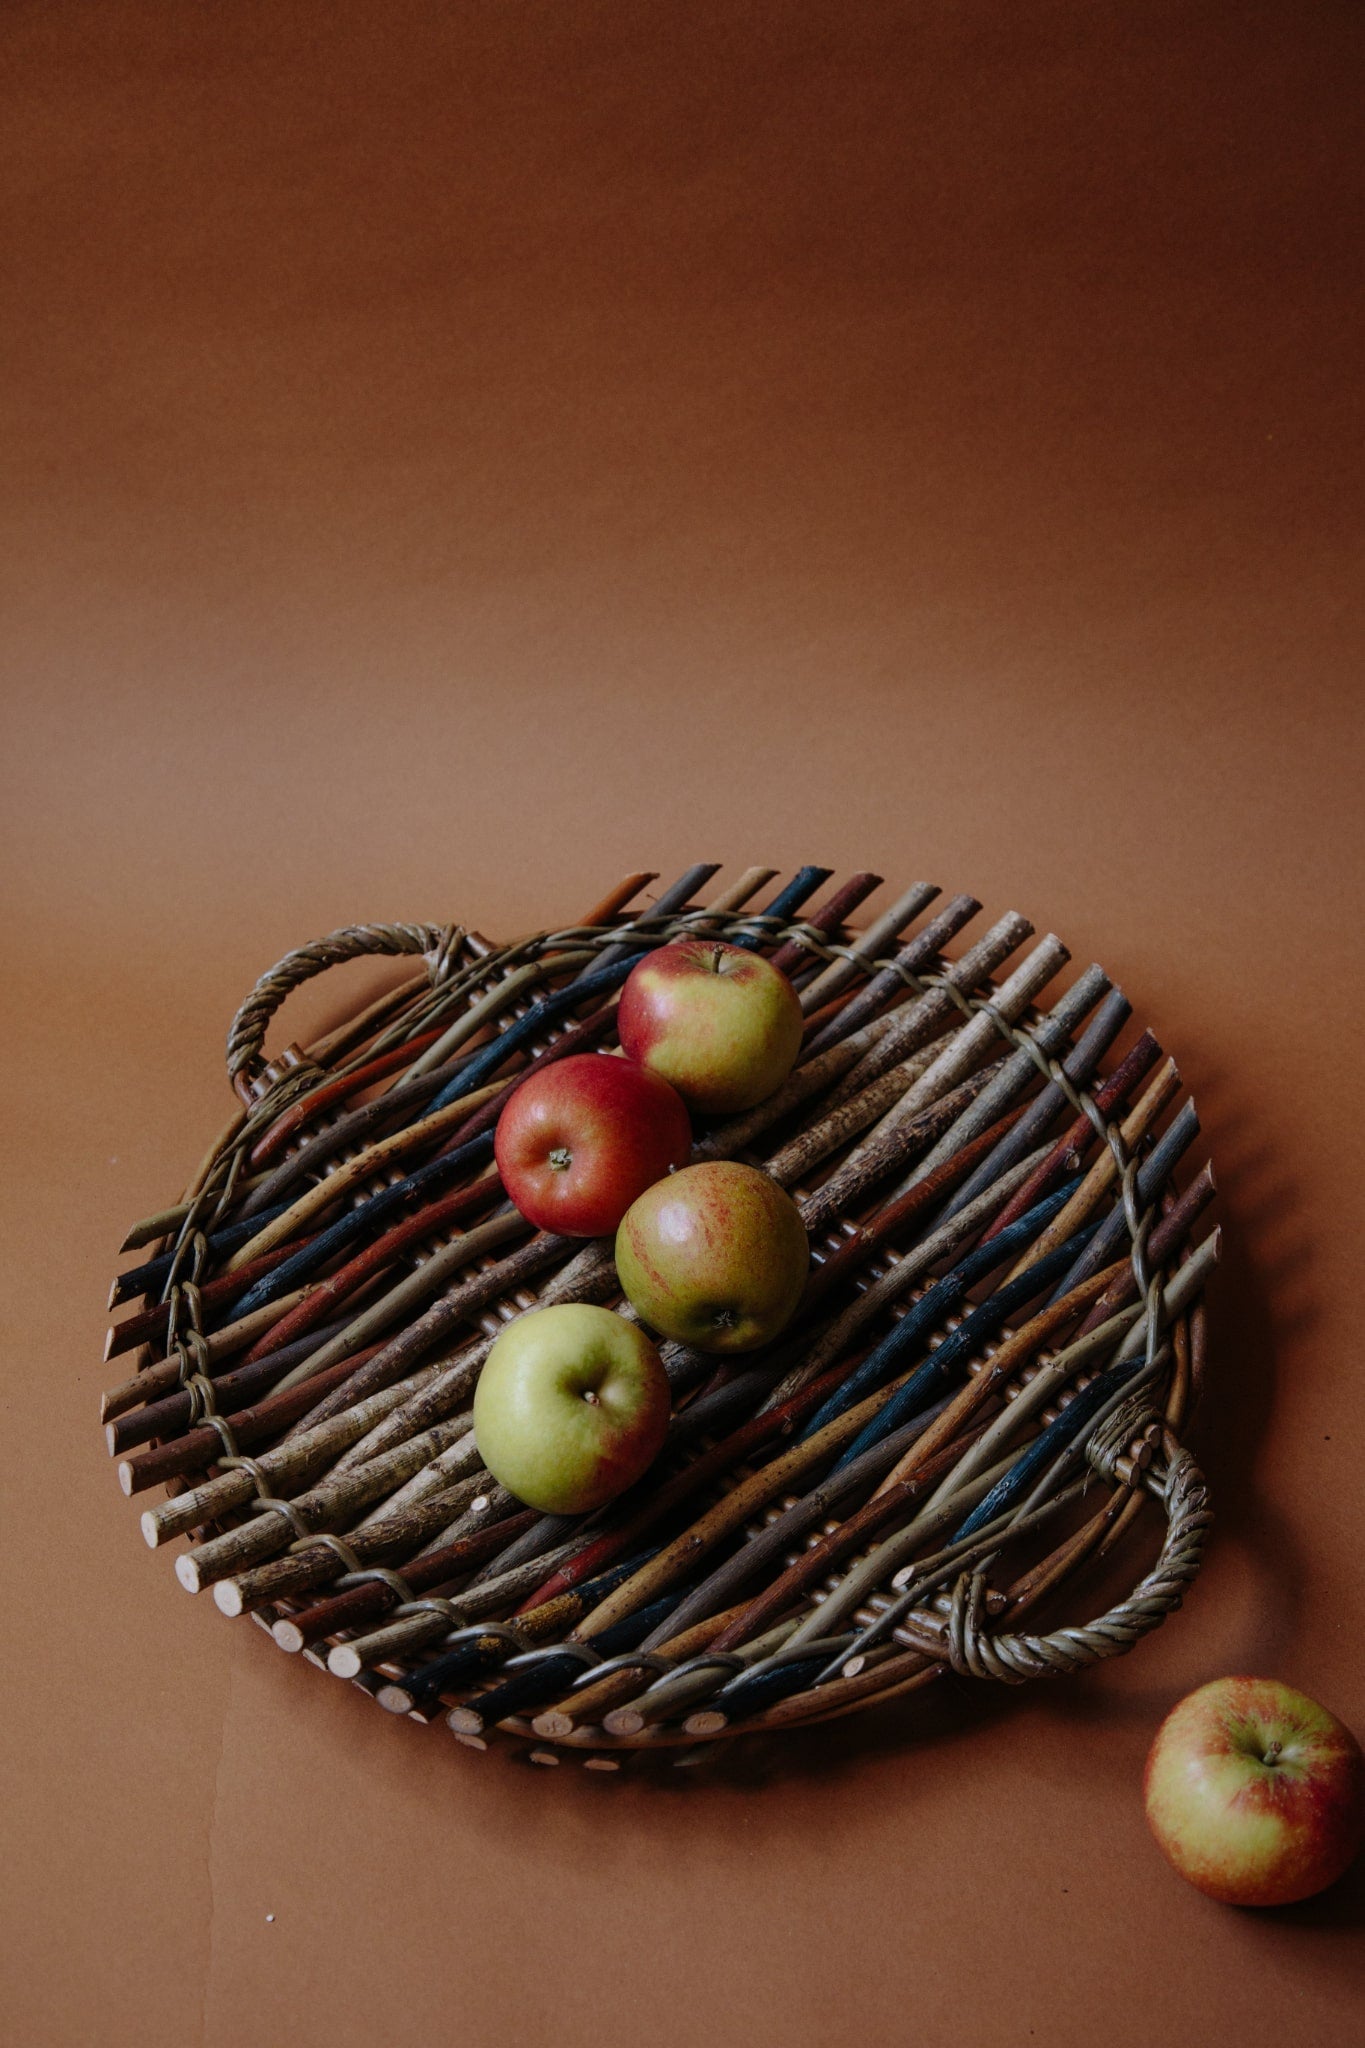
(1272, 1751)
(717, 957)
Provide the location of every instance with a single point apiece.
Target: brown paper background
(455, 454)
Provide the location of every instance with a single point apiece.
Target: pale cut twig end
(624, 1721)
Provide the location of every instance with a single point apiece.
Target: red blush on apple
(579, 1142)
(722, 1025)
(1255, 1793)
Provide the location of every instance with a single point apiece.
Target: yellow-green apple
(1255, 1793)
(581, 1138)
(722, 1025)
(572, 1406)
(716, 1255)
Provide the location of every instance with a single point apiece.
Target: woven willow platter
(1000, 1342)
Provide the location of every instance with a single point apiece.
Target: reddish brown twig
(828, 918)
(1080, 1134)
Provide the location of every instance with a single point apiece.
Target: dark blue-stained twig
(937, 1303)
(151, 1277)
(1152, 1177)
(966, 1340)
(751, 1691)
(1061, 1432)
(799, 889)
(362, 1221)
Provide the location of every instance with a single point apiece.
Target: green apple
(572, 1406)
(716, 1255)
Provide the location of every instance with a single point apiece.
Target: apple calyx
(561, 1158)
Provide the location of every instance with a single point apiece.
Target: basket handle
(437, 944)
(976, 1653)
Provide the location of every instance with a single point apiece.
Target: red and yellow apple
(580, 1139)
(716, 1255)
(1255, 1793)
(721, 1025)
(571, 1408)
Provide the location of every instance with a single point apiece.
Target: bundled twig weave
(1000, 1343)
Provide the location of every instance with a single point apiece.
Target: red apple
(580, 1139)
(722, 1025)
(716, 1255)
(572, 1406)
(1255, 1793)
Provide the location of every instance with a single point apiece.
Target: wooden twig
(1065, 1155)
(888, 985)
(866, 947)
(826, 920)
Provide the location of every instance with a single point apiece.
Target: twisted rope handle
(974, 1652)
(437, 944)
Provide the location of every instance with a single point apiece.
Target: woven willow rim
(837, 1519)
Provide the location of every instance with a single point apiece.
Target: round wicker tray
(999, 1347)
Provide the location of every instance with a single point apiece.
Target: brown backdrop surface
(454, 455)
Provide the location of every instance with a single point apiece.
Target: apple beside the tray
(1255, 1793)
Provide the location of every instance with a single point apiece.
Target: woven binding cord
(503, 1630)
(529, 1659)
(377, 1575)
(625, 1660)
(1119, 1444)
